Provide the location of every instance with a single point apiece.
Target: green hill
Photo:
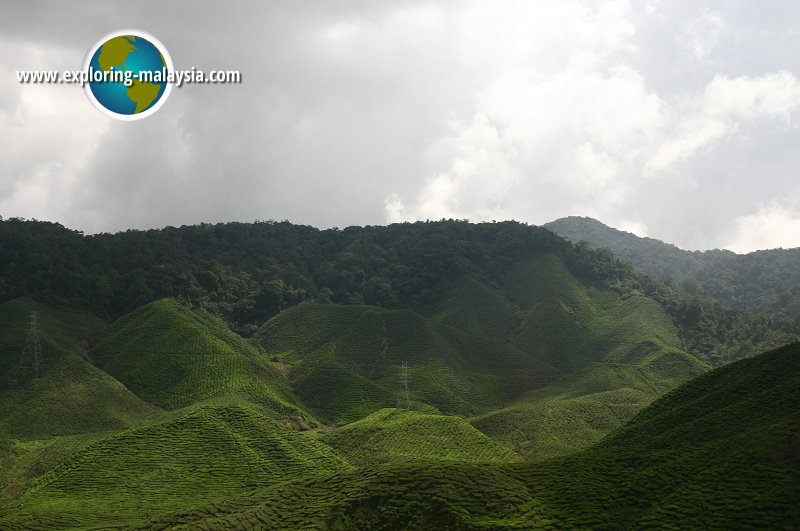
(547, 382)
(70, 395)
(733, 306)
(399, 436)
(571, 324)
(617, 354)
(574, 361)
(246, 273)
(189, 457)
(720, 452)
(173, 357)
(345, 361)
(44, 419)
(476, 307)
(652, 256)
(232, 424)
(763, 281)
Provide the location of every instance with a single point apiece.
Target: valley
(549, 387)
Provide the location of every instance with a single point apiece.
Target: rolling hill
(174, 357)
(617, 355)
(45, 419)
(719, 452)
(223, 413)
(70, 396)
(188, 457)
(345, 361)
(245, 273)
(246, 375)
(231, 422)
(573, 362)
(400, 436)
(733, 306)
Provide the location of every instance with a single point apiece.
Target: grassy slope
(234, 433)
(43, 420)
(720, 452)
(345, 361)
(618, 356)
(548, 364)
(191, 456)
(394, 435)
(728, 441)
(173, 357)
(473, 306)
(71, 395)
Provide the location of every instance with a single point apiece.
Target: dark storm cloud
(654, 116)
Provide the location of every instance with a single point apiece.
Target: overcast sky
(676, 119)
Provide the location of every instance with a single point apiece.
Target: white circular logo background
(167, 89)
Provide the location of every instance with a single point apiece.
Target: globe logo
(128, 75)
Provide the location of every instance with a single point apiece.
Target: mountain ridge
(255, 377)
(765, 281)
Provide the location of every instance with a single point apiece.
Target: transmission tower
(32, 354)
(404, 384)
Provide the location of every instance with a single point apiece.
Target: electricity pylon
(32, 354)
(404, 384)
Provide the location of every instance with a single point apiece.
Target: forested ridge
(765, 281)
(526, 356)
(249, 272)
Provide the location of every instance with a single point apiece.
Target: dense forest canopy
(249, 272)
(763, 281)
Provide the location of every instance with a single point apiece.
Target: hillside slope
(345, 361)
(246, 273)
(617, 355)
(44, 419)
(231, 426)
(395, 435)
(189, 457)
(173, 357)
(720, 452)
(70, 395)
(572, 362)
(763, 281)
(650, 255)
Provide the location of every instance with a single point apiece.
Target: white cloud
(395, 209)
(772, 226)
(701, 34)
(541, 127)
(48, 133)
(476, 184)
(356, 113)
(698, 123)
(634, 227)
(774, 95)
(565, 124)
(690, 135)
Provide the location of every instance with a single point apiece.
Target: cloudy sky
(676, 119)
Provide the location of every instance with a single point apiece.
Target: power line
(32, 353)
